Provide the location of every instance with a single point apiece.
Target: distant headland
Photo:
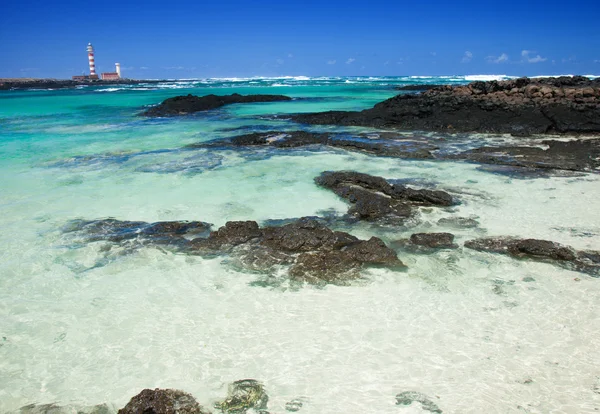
(42, 83)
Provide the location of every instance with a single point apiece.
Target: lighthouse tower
(90, 50)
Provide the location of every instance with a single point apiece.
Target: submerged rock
(389, 146)
(375, 198)
(458, 222)
(434, 240)
(408, 397)
(113, 230)
(163, 401)
(575, 155)
(315, 252)
(242, 396)
(520, 107)
(543, 250)
(183, 105)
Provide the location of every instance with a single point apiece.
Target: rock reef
(188, 104)
(520, 107)
(163, 401)
(374, 198)
(541, 250)
(373, 144)
(576, 155)
(312, 252)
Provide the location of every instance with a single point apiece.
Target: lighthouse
(90, 50)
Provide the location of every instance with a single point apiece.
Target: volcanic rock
(520, 107)
(163, 401)
(183, 105)
(575, 155)
(375, 198)
(388, 146)
(330, 255)
(541, 250)
(434, 240)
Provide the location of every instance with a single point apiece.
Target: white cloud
(350, 60)
(331, 62)
(526, 55)
(433, 53)
(499, 59)
(387, 62)
(597, 61)
(467, 57)
(144, 67)
(290, 55)
(279, 61)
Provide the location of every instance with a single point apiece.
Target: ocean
(81, 324)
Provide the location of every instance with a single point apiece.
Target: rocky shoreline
(521, 107)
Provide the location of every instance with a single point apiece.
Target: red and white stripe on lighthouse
(90, 50)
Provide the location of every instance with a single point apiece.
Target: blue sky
(183, 39)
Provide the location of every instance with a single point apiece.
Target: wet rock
(112, 230)
(375, 198)
(306, 234)
(163, 401)
(434, 240)
(242, 396)
(458, 222)
(520, 107)
(399, 146)
(183, 105)
(329, 255)
(372, 251)
(325, 267)
(233, 233)
(408, 397)
(294, 405)
(543, 250)
(575, 155)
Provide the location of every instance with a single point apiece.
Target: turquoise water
(80, 326)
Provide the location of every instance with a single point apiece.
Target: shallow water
(476, 332)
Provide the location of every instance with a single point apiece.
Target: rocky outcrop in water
(163, 401)
(188, 104)
(427, 241)
(541, 250)
(313, 252)
(520, 107)
(244, 395)
(408, 397)
(576, 155)
(374, 198)
(388, 145)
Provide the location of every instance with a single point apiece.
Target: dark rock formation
(542, 250)
(374, 198)
(576, 155)
(242, 396)
(315, 253)
(408, 397)
(520, 107)
(162, 401)
(388, 145)
(426, 242)
(161, 232)
(183, 105)
(433, 240)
